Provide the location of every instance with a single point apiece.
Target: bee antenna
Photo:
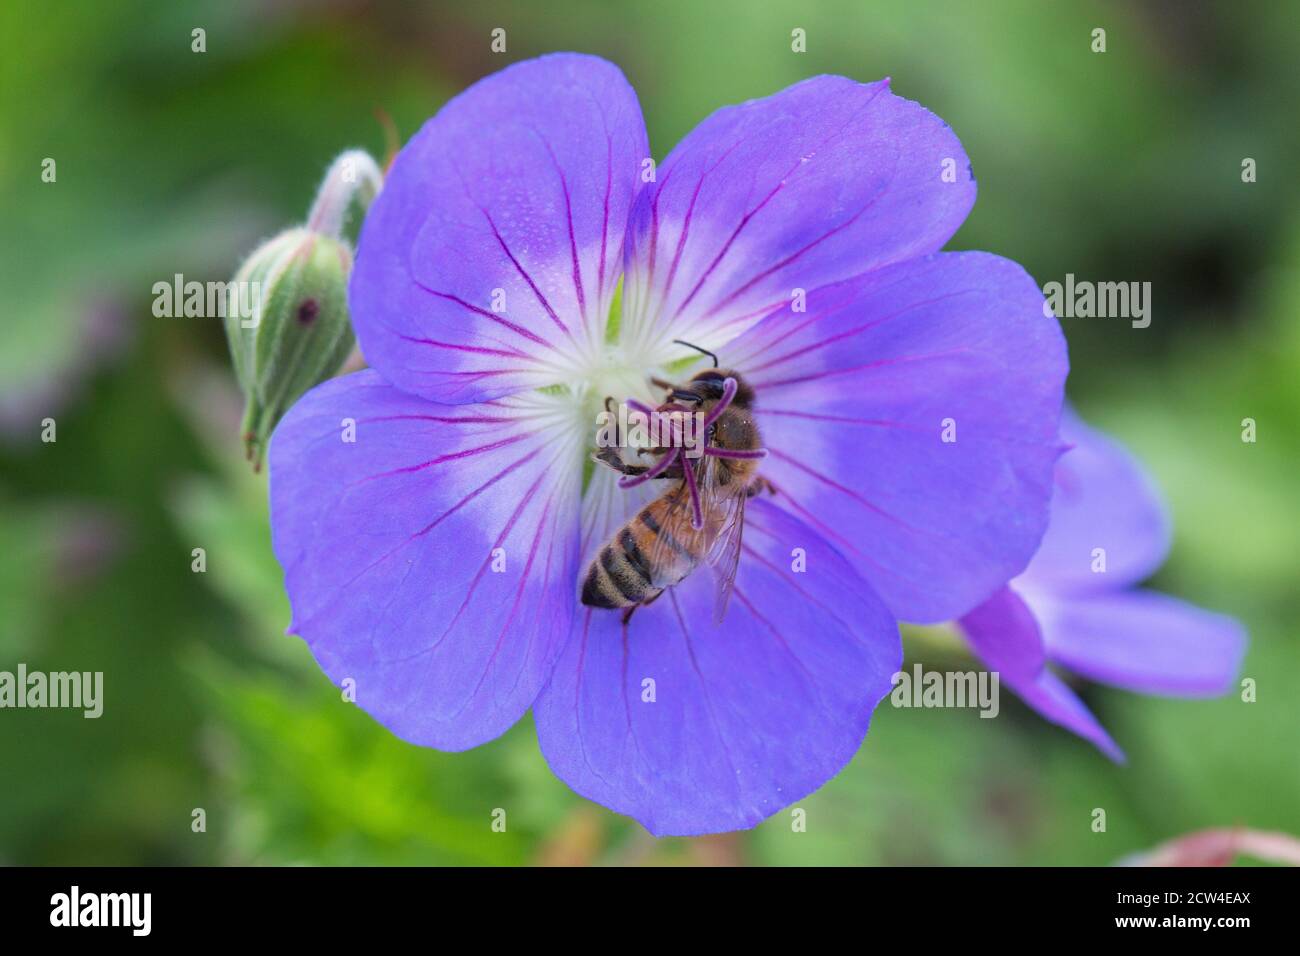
(698, 349)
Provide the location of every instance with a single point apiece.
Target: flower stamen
(654, 471)
(697, 512)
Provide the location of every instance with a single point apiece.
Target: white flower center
(571, 410)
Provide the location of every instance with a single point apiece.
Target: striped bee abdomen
(598, 591)
(618, 577)
(622, 574)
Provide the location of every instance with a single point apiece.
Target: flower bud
(287, 324)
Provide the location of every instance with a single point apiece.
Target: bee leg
(627, 615)
(672, 471)
(610, 458)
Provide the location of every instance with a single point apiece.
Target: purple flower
(433, 514)
(1076, 604)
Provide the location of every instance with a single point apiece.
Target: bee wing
(724, 553)
(724, 511)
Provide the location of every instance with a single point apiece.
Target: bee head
(708, 385)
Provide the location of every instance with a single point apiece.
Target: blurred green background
(1117, 166)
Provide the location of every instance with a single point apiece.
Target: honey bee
(701, 519)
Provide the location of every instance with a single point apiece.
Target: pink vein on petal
(513, 327)
(514, 607)
(847, 333)
(802, 163)
(428, 527)
(505, 532)
(524, 274)
(577, 698)
(686, 221)
(753, 611)
(843, 489)
(794, 255)
(568, 215)
(441, 459)
(879, 363)
(704, 690)
(604, 224)
(476, 349)
(726, 246)
(451, 420)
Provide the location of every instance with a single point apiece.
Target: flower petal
(488, 262)
(1003, 629)
(1103, 499)
(746, 718)
(821, 181)
(911, 415)
(1005, 634)
(389, 546)
(1143, 641)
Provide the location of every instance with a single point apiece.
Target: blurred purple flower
(102, 334)
(1076, 604)
(436, 559)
